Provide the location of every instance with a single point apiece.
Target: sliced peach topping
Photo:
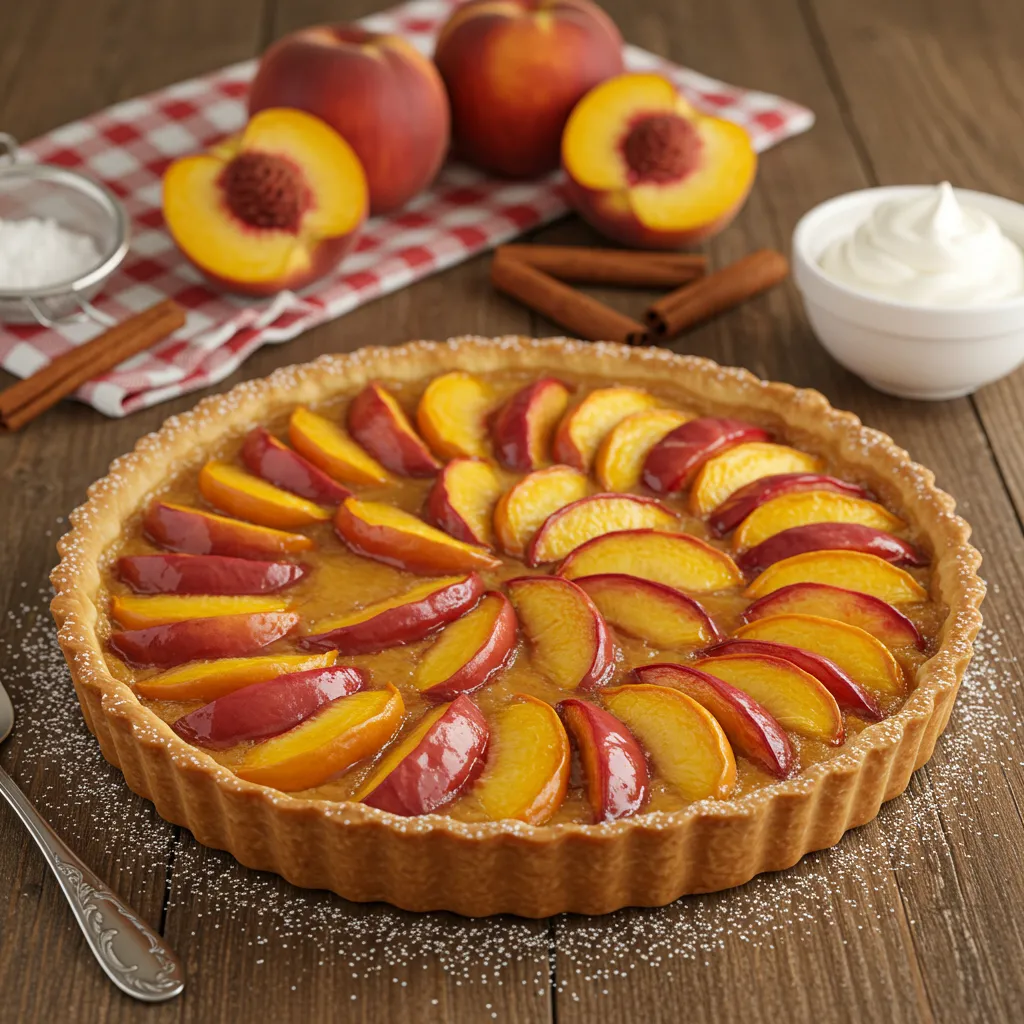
(327, 445)
(620, 458)
(523, 428)
(452, 415)
(135, 612)
(279, 465)
(346, 731)
(687, 745)
(521, 511)
(190, 530)
(379, 424)
(584, 427)
(463, 498)
(233, 490)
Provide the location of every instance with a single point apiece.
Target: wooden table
(915, 916)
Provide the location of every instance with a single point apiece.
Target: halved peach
(402, 619)
(648, 170)
(469, 651)
(346, 731)
(276, 463)
(429, 768)
(379, 424)
(876, 617)
(600, 514)
(798, 701)
(521, 511)
(194, 532)
(687, 745)
(620, 458)
(867, 574)
(206, 574)
(241, 494)
(138, 612)
(327, 445)
(462, 500)
(568, 638)
(583, 428)
(613, 762)
(659, 615)
(389, 535)
(274, 207)
(675, 559)
(527, 771)
(524, 426)
(751, 730)
(452, 415)
(725, 474)
(855, 651)
(671, 464)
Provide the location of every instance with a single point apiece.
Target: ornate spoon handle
(133, 956)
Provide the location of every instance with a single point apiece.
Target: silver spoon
(133, 956)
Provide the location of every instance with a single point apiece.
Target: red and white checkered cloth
(130, 145)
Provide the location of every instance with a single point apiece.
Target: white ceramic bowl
(926, 352)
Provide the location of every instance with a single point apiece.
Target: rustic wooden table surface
(915, 916)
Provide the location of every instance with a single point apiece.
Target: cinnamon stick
(23, 402)
(583, 265)
(717, 292)
(583, 316)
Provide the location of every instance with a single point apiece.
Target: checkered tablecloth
(130, 145)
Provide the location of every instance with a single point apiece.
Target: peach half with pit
(275, 207)
(648, 170)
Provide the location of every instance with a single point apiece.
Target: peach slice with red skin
(195, 532)
(527, 770)
(276, 463)
(620, 458)
(206, 574)
(752, 732)
(568, 638)
(267, 709)
(584, 427)
(452, 415)
(614, 766)
(140, 611)
(523, 427)
(647, 169)
(521, 511)
(876, 617)
(671, 464)
(596, 516)
(327, 445)
(677, 560)
(233, 490)
(659, 615)
(397, 538)
(433, 764)
(335, 738)
(687, 745)
(379, 424)
(462, 501)
(469, 651)
(274, 207)
(402, 619)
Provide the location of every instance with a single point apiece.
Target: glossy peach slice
(276, 463)
(469, 651)
(620, 458)
(585, 426)
(138, 612)
(752, 732)
(327, 445)
(521, 512)
(233, 490)
(462, 500)
(452, 415)
(527, 770)
(660, 616)
(856, 652)
(876, 617)
(687, 745)
(568, 638)
(613, 762)
(523, 429)
(206, 574)
(675, 559)
(402, 619)
(600, 514)
(397, 538)
(379, 424)
(345, 732)
(433, 764)
(725, 474)
(855, 570)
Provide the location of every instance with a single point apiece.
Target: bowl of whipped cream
(919, 290)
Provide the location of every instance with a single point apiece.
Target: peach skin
(276, 463)
(620, 458)
(233, 490)
(462, 501)
(452, 415)
(524, 426)
(521, 511)
(330, 448)
(206, 574)
(585, 426)
(379, 424)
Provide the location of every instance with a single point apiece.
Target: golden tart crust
(435, 862)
